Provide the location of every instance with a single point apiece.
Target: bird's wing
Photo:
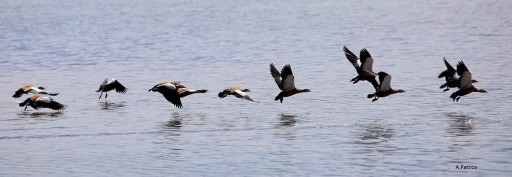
(465, 76)
(119, 87)
(240, 94)
(366, 60)
(352, 58)
(276, 75)
(449, 72)
(374, 81)
(385, 81)
(288, 79)
(52, 105)
(171, 94)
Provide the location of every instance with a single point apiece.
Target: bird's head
(482, 91)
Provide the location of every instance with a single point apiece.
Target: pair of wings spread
(462, 71)
(284, 80)
(364, 67)
(115, 84)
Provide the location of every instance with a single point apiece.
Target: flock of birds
(173, 91)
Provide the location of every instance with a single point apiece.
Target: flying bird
(384, 88)
(237, 92)
(109, 85)
(38, 101)
(31, 89)
(451, 77)
(466, 83)
(285, 82)
(174, 91)
(363, 66)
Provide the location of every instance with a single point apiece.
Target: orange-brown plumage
(39, 101)
(285, 81)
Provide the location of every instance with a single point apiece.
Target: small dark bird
(109, 85)
(173, 91)
(31, 89)
(363, 66)
(451, 77)
(466, 83)
(285, 82)
(237, 92)
(384, 88)
(39, 101)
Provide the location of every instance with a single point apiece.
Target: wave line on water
(356, 125)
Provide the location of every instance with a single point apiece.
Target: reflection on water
(111, 105)
(175, 123)
(287, 120)
(377, 132)
(461, 124)
(29, 114)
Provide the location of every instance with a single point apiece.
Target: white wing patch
(111, 81)
(240, 94)
(368, 64)
(385, 85)
(169, 86)
(465, 80)
(44, 99)
(289, 83)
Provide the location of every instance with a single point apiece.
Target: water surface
(71, 46)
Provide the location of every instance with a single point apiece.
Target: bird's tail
(51, 94)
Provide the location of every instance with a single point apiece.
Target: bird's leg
(101, 94)
(375, 99)
(106, 94)
(446, 89)
(353, 79)
(356, 79)
(458, 99)
(25, 107)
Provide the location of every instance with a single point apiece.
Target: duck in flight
(363, 66)
(174, 91)
(384, 88)
(451, 77)
(237, 92)
(285, 81)
(38, 101)
(108, 85)
(466, 83)
(31, 89)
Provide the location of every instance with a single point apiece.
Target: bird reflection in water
(378, 132)
(287, 120)
(26, 114)
(111, 105)
(461, 124)
(175, 123)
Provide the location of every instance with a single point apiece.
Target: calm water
(71, 46)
